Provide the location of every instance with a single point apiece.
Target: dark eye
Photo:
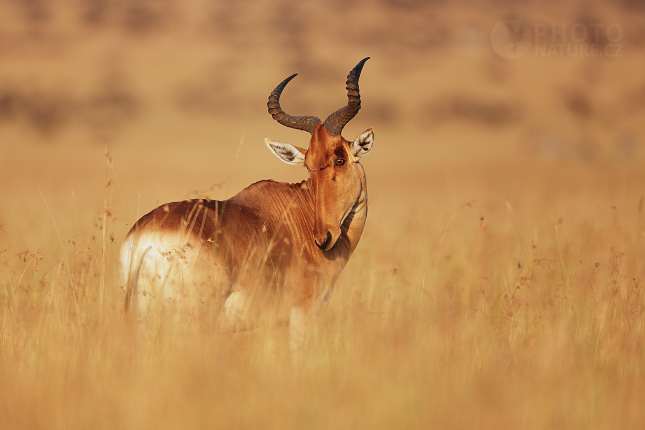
(340, 162)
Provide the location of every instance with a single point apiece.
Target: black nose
(323, 245)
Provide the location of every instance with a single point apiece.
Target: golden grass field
(499, 281)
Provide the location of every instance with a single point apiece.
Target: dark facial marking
(340, 156)
(340, 152)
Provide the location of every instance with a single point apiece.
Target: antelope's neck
(355, 220)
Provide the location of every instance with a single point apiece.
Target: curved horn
(337, 120)
(306, 123)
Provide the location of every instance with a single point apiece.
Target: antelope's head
(336, 175)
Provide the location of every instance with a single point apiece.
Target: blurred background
(176, 92)
(498, 282)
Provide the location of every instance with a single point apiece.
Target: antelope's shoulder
(259, 192)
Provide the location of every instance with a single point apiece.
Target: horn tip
(356, 71)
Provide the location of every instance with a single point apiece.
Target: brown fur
(262, 237)
(273, 243)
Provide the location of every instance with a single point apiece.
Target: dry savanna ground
(498, 284)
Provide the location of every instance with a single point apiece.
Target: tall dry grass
(520, 308)
(499, 281)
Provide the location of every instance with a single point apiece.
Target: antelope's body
(274, 245)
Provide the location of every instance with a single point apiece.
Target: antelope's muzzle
(325, 245)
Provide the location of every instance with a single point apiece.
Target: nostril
(327, 241)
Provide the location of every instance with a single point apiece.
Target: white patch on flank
(234, 310)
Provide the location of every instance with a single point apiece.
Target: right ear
(363, 143)
(288, 153)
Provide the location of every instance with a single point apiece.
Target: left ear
(363, 143)
(290, 154)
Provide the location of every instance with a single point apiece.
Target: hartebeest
(273, 244)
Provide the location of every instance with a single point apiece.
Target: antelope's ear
(288, 153)
(363, 143)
